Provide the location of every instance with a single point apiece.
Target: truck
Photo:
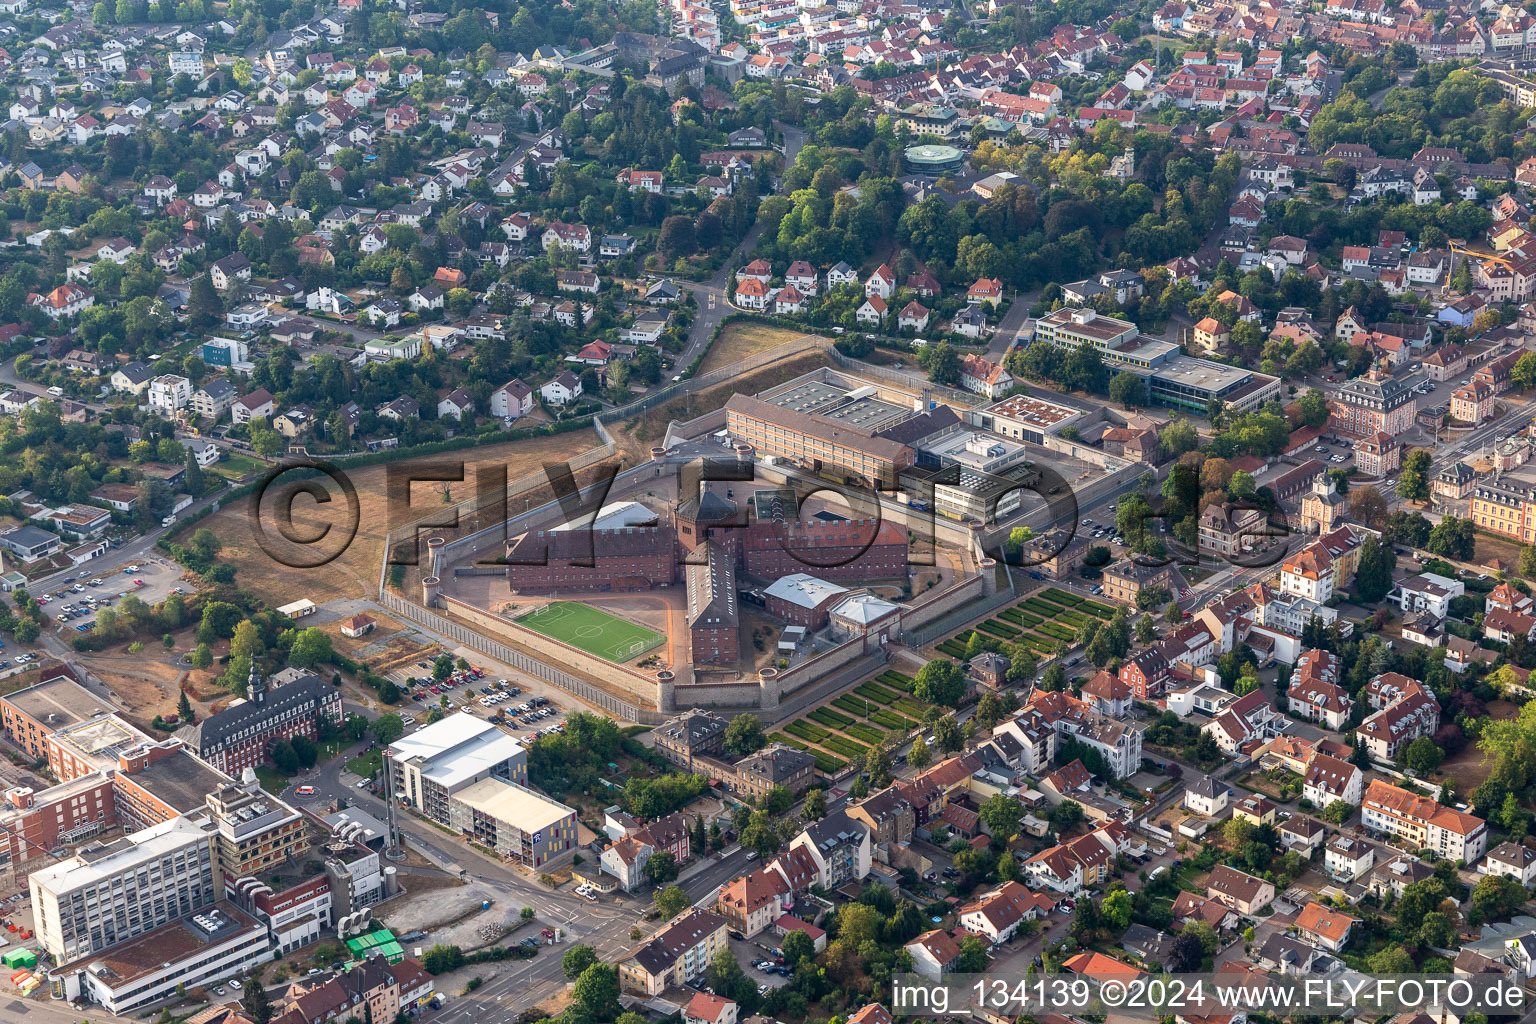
(169, 520)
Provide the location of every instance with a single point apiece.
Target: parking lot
(76, 602)
(476, 692)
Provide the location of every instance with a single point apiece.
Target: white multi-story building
(1427, 592)
(432, 765)
(169, 393)
(111, 892)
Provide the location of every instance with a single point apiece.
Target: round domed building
(933, 161)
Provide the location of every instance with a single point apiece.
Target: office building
(516, 822)
(433, 764)
(112, 892)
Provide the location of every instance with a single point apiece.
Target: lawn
(592, 630)
(272, 780)
(366, 764)
(238, 467)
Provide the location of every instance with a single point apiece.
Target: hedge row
(842, 745)
(874, 691)
(1061, 597)
(829, 718)
(915, 708)
(900, 680)
(852, 705)
(805, 730)
(867, 733)
(891, 720)
(951, 648)
(998, 629)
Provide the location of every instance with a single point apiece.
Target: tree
(1523, 373)
(661, 868)
(202, 657)
(940, 682)
(1496, 898)
(1338, 812)
(311, 646)
(1314, 408)
(204, 543)
(386, 729)
(1413, 480)
(815, 806)
(1422, 756)
(204, 308)
(798, 947)
(1179, 437)
(672, 901)
(254, 998)
(941, 362)
(441, 959)
(744, 735)
(284, 758)
(1367, 505)
(1116, 910)
(1373, 576)
(1065, 815)
(1002, 814)
(597, 991)
(306, 751)
(1452, 537)
(973, 956)
(946, 734)
(184, 709)
(919, 756)
(1127, 389)
(778, 800)
(576, 960)
(676, 239)
(1146, 630)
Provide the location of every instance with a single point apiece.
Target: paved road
(517, 984)
(710, 296)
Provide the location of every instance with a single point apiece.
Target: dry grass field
(354, 573)
(742, 339)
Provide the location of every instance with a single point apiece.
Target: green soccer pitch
(592, 630)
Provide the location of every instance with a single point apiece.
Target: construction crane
(1470, 254)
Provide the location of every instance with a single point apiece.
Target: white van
(169, 520)
(56, 392)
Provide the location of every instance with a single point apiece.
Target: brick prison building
(632, 558)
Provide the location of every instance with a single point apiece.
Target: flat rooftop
(1149, 349)
(91, 864)
(1187, 371)
(1034, 411)
(171, 943)
(514, 804)
(976, 449)
(859, 407)
(457, 748)
(1099, 328)
(101, 737)
(59, 703)
(180, 780)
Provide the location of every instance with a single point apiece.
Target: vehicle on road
(305, 791)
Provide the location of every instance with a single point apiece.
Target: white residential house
(564, 388)
(169, 393)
